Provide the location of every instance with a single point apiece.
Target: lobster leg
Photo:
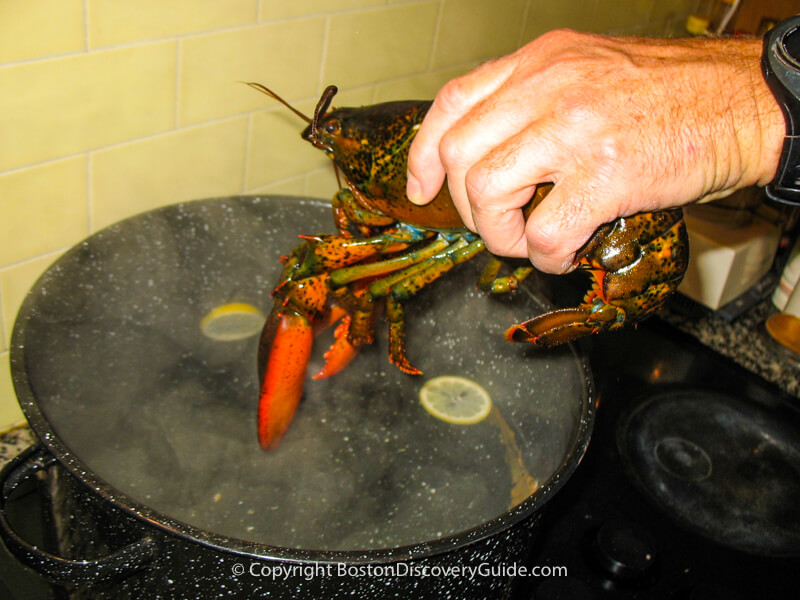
(490, 282)
(397, 337)
(341, 352)
(408, 282)
(301, 305)
(352, 218)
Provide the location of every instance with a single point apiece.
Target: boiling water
(120, 368)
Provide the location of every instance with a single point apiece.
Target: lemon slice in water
(230, 322)
(457, 400)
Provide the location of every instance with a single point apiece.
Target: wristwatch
(780, 63)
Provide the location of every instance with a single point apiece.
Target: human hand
(619, 125)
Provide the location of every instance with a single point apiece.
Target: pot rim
(139, 510)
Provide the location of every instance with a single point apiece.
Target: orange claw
(284, 351)
(340, 353)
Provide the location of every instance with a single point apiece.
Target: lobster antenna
(271, 94)
(323, 104)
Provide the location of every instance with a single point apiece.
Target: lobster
(388, 248)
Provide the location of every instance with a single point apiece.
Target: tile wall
(113, 107)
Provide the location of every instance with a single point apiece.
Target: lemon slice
(230, 322)
(457, 400)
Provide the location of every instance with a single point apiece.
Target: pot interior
(110, 357)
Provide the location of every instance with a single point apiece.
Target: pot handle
(117, 565)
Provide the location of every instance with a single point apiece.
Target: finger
(564, 222)
(501, 183)
(487, 127)
(426, 171)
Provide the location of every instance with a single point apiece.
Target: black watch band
(780, 63)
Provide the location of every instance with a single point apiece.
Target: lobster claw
(284, 351)
(635, 264)
(283, 354)
(553, 328)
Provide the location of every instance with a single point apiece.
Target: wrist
(757, 119)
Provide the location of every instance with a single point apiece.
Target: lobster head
(369, 146)
(366, 142)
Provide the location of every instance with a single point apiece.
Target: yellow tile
(279, 9)
(200, 162)
(288, 187)
(14, 285)
(354, 97)
(418, 87)
(10, 413)
(545, 15)
(375, 45)
(44, 208)
(621, 14)
(277, 151)
(122, 21)
(476, 29)
(285, 57)
(665, 10)
(34, 29)
(3, 335)
(321, 184)
(54, 108)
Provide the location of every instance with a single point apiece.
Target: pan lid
(116, 370)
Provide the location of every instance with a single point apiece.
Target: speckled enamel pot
(105, 378)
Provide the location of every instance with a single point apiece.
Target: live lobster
(387, 249)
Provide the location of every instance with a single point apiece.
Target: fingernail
(414, 190)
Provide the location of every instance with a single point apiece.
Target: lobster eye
(332, 126)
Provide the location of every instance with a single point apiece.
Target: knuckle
(561, 36)
(478, 182)
(543, 236)
(496, 247)
(453, 96)
(501, 244)
(450, 149)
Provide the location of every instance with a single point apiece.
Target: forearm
(734, 105)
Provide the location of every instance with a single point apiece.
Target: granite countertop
(744, 341)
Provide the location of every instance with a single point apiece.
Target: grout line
(305, 176)
(85, 25)
(181, 36)
(178, 62)
(247, 149)
(136, 43)
(143, 138)
(525, 13)
(435, 40)
(324, 56)
(89, 193)
(24, 261)
(313, 99)
(5, 342)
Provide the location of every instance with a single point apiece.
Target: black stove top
(658, 508)
(689, 488)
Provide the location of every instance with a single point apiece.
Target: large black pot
(150, 425)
